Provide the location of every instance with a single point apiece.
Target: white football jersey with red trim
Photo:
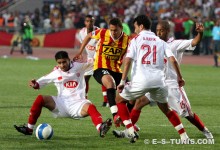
(148, 52)
(177, 47)
(91, 46)
(70, 83)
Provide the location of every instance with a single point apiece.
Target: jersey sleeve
(79, 36)
(168, 52)
(182, 45)
(49, 78)
(132, 48)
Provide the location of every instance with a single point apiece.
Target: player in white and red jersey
(147, 52)
(90, 50)
(177, 98)
(68, 77)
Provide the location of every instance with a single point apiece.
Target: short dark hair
(115, 22)
(89, 16)
(61, 55)
(165, 24)
(144, 20)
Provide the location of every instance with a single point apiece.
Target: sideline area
(45, 53)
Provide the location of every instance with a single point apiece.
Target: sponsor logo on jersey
(112, 53)
(71, 84)
(60, 78)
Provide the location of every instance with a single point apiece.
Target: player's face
(115, 31)
(89, 22)
(64, 64)
(161, 32)
(137, 28)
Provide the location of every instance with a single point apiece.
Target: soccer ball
(44, 131)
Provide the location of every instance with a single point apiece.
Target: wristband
(122, 82)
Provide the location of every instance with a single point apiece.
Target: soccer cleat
(117, 121)
(24, 129)
(120, 134)
(105, 127)
(137, 128)
(207, 133)
(134, 137)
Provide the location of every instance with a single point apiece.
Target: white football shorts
(68, 107)
(133, 91)
(178, 101)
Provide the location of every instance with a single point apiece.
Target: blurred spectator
(55, 18)
(45, 10)
(68, 21)
(207, 36)
(27, 35)
(216, 41)
(2, 22)
(187, 28)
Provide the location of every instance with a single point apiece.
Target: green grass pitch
(16, 98)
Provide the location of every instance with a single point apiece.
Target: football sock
(95, 116)
(196, 121)
(104, 93)
(125, 117)
(111, 93)
(135, 114)
(175, 120)
(35, 110)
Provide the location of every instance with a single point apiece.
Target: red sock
(104, 93)
(175, 120)
(95, 116)
(124, 114)
(87, 89)
(197, 122)
(36, 110)
(135, 114)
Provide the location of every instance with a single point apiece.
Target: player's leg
(104, 77)
(174, 119)
(102, 127)
(105, 99)
(179, 102)
(134, 115)
(35, 111)
(161, 96)
(87, 77)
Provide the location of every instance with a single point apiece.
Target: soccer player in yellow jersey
(111, 48)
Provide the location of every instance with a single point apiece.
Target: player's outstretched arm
(175, 64)
(198, 38)
(82, 47)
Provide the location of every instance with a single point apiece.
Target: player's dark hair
(89, 16)
(115, 22)
(165, 24)
(143, 20)
(61, 55)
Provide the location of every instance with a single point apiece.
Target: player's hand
(181, 82)
(77, 57)
(199, 27)
(120, 87)
(33, 83)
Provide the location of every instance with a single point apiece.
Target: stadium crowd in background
(66, 14)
